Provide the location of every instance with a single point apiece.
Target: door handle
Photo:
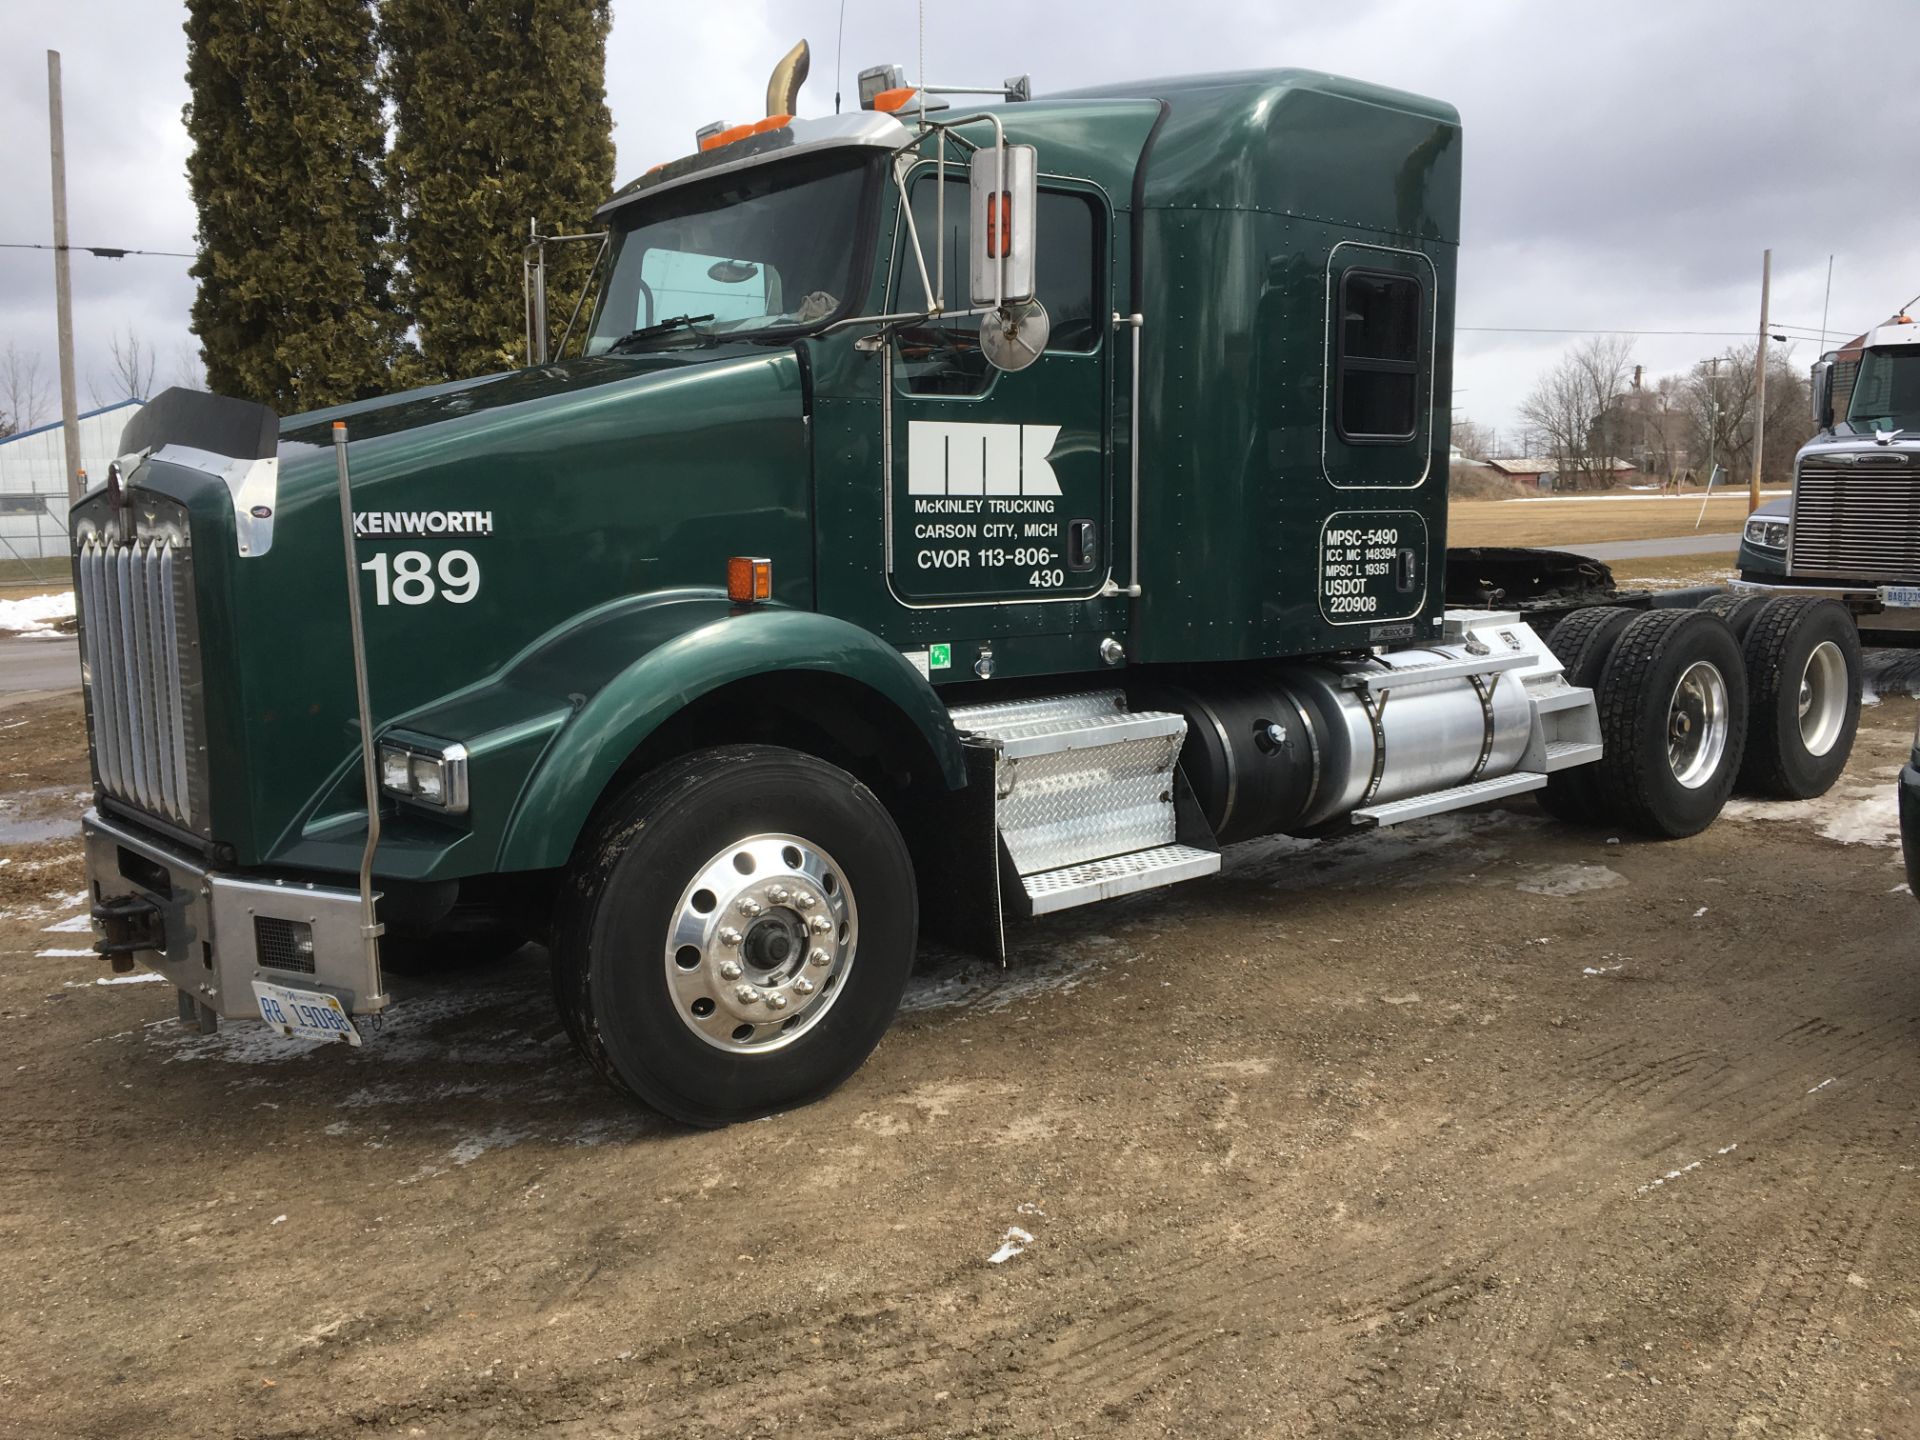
(1082, 549)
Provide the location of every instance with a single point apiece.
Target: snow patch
(145, 978)
(1850, 814)
(33, 617)
(500, 1137)
(1673, 1175)
(1563, 880)
(1013, 1243)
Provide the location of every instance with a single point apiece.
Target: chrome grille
(136, 634)
(1859, 520)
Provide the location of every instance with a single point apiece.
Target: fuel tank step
(1078, 778)
(1438, 802)
(1070, 885)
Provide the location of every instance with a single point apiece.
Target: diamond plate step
(1071, 885)
(1565, 754)
(1012, 714)
(1440, 801)
(1452, 668)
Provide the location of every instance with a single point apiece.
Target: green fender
(669, 650)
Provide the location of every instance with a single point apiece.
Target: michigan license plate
(1902, 596)
(309, 1014)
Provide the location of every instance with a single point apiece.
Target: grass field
(1513, 522)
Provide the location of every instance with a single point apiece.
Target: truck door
(999, 484)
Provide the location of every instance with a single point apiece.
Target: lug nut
(804, 899)
(729, 936)
(745, 994)
(730, 970)
(803, 985)
(776, 1001)
(821, 924)
(777, 894)
(820, 959)
(749, 906)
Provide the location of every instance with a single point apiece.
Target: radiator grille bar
(1855, 524)
(131, 597)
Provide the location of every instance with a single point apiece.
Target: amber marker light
(892, 100)
(726, 137)
(749, 579)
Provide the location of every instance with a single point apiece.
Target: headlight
(1767, 534)
(427, 772)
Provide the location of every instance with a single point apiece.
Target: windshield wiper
(663, 327)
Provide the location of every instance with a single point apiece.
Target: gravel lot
(1481, 1126)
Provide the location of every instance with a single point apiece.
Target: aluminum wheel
(1697, 724)
(761, 943)
(1823, 698)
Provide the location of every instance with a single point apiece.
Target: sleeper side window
(943, 357)
(1377, 370)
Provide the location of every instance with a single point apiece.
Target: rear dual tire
(1803, 667)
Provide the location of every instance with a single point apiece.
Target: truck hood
(462, 399)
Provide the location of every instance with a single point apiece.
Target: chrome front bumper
(210, 930)
(1863, 600)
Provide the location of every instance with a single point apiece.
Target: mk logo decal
(966, 458)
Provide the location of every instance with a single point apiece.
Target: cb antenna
(839, 49)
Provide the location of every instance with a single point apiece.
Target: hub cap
(760, 943)
(1697, 724)
(1823, 698)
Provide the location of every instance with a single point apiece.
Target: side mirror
(1004, 184)
(1823, 393)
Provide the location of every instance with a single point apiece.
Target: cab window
(1377, 370)
(943, 357)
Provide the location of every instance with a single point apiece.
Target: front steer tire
(1803, 676)
(1673, 719)
(657, 937)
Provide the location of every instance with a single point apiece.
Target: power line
(105, 252)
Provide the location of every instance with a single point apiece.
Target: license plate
(1903, 596)
(309, 1014)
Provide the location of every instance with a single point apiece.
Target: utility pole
(62, 279)
(1760, 385)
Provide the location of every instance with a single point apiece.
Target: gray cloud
(1625, 164)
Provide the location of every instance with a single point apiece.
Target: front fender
(669, 651)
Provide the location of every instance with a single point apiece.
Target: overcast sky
(1626, 162)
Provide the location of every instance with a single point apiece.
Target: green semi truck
(942, 515)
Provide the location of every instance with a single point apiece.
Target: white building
(33, 479)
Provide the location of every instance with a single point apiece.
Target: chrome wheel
(1697, 724)
(1823, 698)
(760, 943)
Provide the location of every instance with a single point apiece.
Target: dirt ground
(1479, 1126)
(1562, 522)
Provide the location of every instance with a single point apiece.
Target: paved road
(1649, 549)
(37, 667)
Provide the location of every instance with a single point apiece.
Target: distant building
(1537, 473)
(1534, 473)
(33, 478)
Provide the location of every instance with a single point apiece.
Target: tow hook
(130, 923)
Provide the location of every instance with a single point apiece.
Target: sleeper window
(1377, 379)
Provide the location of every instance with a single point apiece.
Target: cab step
(1071, 885)
(1085, 797)
(1438, 802)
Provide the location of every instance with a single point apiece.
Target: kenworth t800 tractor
(944, 515)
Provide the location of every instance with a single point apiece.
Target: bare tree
(1716, 405)
(24, 395)
(130, 371)
(1476, 441)
(1568, 405)
(189, 370)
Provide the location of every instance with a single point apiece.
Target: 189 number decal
(412, 578)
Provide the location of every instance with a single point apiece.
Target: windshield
(1886, 392)
(771, 248)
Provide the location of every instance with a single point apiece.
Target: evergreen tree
(500, 115)
(295, 307)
